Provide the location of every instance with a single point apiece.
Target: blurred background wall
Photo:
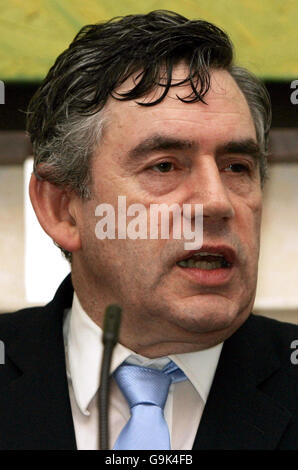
(34, 32)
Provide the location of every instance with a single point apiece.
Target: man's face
(193, 154)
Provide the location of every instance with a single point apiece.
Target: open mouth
(207, 260)
(211, 266)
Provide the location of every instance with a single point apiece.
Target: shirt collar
(83, 342)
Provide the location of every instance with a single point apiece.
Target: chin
(207, 317)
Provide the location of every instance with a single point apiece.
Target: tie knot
(143, 385)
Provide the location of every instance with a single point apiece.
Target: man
(151, 108)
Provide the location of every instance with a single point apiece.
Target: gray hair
(259, 103)
(64, 159)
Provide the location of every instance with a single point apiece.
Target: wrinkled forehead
(222, 88)
(224, 93)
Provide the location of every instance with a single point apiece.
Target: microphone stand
(111, 326)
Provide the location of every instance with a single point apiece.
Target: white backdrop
(45, 267)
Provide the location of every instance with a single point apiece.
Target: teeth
(208, 265)
(206, 253)
(183, 264)
(200, 264)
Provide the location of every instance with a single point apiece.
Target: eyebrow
(159, 143)
(243, 147)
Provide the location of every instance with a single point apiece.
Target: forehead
(226, 110)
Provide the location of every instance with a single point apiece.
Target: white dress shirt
(83, 349)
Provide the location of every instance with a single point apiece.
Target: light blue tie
(146, 392)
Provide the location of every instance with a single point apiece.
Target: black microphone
(111, 325)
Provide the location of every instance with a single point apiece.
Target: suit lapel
(37, 385)
(238, 415)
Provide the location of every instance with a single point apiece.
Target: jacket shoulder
(11, 317)
(25, 319)
(276, 330)
(61, 301)
(272, 337)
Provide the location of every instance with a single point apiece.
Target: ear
(51, 205)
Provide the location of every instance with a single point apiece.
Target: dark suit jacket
(253, 402)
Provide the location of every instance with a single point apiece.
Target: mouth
(209, 265)
(208, 257)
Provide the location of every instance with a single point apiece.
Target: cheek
(256, 215)
(157, 185)
(251, 227)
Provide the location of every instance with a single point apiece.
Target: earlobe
(51, 206)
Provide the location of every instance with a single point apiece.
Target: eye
(163, 167)
(237, 168)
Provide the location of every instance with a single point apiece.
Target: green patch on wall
(34, 32)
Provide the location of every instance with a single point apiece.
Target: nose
(206, 187)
